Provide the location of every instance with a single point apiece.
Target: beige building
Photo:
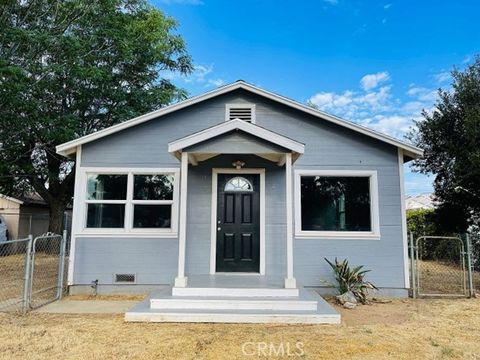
(24, 216)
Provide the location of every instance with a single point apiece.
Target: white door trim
(213, 225)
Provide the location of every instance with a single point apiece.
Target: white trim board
(77, 201)
(374, 206)
(70, 147)
(404, 219)
(213, 221)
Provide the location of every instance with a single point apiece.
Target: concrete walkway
(87, 307)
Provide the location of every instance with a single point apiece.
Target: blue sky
(377, 63)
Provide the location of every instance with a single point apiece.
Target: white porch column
(290, 282)
(181, 279)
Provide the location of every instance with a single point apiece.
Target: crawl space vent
(124, 278)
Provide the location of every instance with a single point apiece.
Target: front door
(238, 223)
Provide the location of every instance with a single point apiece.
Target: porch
(249, 171)
(234, 299)
(235, 252)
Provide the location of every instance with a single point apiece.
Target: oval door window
(238, 184)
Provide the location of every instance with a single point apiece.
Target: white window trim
(239, 106)
(127, 230)
(374, 212)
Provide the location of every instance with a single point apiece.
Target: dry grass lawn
(12, 272)
(443, 278)
(403, 329)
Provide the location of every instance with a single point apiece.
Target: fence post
(469, 265)
(412, 265)
(26, 278)
(61, 265)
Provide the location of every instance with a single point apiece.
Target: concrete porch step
(234, 286)
(164, 300)
(234, 292)
(324, 314)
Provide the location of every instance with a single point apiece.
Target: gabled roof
(70, 147)
(236, 124)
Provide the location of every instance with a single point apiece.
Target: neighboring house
(235, 189)
(24, 216)
(422, 201)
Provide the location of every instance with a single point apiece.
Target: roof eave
(68, 148)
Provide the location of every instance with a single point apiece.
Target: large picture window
(131, 202)
(336, 203)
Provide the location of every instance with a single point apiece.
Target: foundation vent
(125, 278)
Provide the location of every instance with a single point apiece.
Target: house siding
(153, 261)
(327, 147)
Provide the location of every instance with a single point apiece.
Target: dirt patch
(440, 329)
(392, 312)
(119, 297)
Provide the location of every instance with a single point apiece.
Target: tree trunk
(56, 217)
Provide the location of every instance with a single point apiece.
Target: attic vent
(245, 112)
(124, 278)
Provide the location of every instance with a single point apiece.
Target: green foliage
(72, 67)
(421, 222)
(426, 222)
(450, 136)
(351, 279)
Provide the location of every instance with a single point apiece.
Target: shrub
(351, 279)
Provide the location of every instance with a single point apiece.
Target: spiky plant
(351, 279)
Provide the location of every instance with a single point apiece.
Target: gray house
(239, 194)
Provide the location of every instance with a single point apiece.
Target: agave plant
(351, 279)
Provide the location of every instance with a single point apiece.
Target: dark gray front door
(238, 223)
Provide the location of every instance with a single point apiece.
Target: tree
(72, 67)
(450, 136)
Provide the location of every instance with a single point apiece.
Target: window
(152, 201)
(245, 112)
(336, 203)
(131, 202)
(238, 184)
(106, 199)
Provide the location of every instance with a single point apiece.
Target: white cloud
(371, 81)
(376, 107)
(331, 2)
(443, 76)
(422, 93)
(467, 59)
(216, 82)
(387, 6)
(201, 75)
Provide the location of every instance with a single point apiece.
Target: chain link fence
(14, 256)
(442, 266)
(32, 271)
(475, 242)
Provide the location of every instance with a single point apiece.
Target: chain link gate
(14, 258)
(441, 266)
(47, 269)
(32, 272)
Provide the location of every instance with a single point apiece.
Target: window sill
(133, 234)
(336, 235)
